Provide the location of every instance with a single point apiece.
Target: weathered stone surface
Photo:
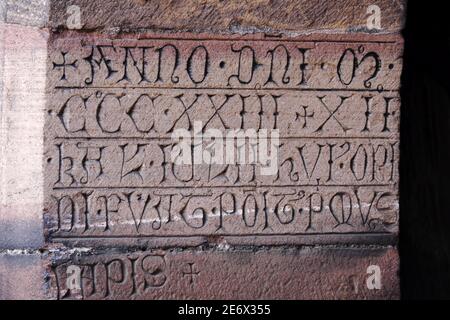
(115, 103)
(25, 12)
(261, 212)
(22, 99)
(320, 273)
(203, 61)
(228, 16)
(22, 276)
(101, 170)
(2, 11)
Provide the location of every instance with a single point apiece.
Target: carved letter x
(332, 114)
(216, 111)
(185, 112)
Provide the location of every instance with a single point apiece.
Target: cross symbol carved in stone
(64, 65)
(304, 116)
(191, 273)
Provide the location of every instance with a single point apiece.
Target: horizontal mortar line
(227, 186)
(75, 237)
(266, 39)
(226, 89)
(235, 138)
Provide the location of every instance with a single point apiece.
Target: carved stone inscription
(224, 274)
(115, 104)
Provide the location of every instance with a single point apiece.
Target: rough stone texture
(2, 11)
(300, 16)
(116, 101)
(323, 273)
(138, 70)
(22, 99)
(25, 12)
(21, 275)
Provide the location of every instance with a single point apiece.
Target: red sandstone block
(115, 101)
(309, 273)
(229, 16)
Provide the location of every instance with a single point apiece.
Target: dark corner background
(425, 153)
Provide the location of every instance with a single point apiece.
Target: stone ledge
(300, 16)
(308, 273)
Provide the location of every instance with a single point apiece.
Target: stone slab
(214, 16)
(309, 273)
(115, 102)
(87, 119)
(23, 54)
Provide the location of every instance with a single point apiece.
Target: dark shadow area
(425, 153)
